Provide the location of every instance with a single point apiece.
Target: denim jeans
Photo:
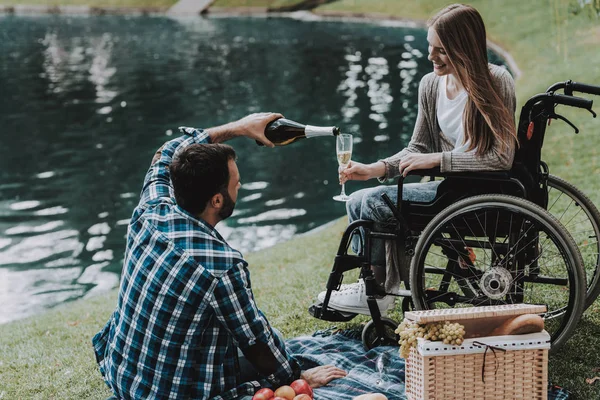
(368, 204)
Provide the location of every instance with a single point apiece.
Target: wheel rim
(576, 213)
(538, 261)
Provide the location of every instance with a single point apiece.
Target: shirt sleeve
(157, 183)
(420, 141)
(235, 308)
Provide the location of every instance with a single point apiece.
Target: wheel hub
(495, 282)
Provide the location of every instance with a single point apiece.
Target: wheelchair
(488, 238)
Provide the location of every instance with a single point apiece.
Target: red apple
(286, 392)
(300, 386)
(263, 394)
(302, 397)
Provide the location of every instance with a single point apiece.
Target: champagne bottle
(283, 131)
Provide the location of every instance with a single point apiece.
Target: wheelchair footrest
(404, 293)
(329, 314)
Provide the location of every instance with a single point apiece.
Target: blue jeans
(368, 204)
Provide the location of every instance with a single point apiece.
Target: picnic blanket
(378, 370)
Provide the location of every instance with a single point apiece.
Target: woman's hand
(356, 171)
(322, 375)
(415, 161)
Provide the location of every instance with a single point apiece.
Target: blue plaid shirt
(185, 304)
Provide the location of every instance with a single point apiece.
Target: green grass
(50, 356)
(94, 3)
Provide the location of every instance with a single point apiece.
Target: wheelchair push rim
(497, 249)
(576, 212)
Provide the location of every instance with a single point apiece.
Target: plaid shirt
(185, 304)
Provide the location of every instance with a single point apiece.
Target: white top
(450, 116)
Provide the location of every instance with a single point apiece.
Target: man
(185, 302)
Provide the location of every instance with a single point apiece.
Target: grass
(50, 357)
(94, 3)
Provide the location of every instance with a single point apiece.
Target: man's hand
(415, 161)
(322, 375)
(356, 171)
(252, 126)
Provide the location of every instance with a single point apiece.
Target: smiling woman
(465, 123)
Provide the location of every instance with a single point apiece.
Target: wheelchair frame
(521, 192)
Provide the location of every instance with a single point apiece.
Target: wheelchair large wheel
(576, 212)
(497, 249)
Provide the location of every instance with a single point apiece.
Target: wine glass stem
(343, 194)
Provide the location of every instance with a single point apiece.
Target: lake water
(86, 101)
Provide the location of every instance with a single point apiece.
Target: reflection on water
(86, 101)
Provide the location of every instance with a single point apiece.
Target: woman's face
(437, 55)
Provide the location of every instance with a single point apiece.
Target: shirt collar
(199, 221)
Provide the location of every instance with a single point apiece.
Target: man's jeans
(368, 204)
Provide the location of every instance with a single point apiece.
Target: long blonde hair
(487, 120)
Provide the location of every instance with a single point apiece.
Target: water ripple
(273, 215)
(25, 205)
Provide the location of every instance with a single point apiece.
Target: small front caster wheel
(371, 338)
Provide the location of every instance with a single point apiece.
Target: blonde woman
(465, 123)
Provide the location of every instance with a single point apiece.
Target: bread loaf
(520, 325)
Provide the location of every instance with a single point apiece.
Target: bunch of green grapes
(447, 332)
(409, 332)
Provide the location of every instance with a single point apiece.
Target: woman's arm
(422, 138)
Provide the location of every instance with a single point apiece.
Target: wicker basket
(491, 367)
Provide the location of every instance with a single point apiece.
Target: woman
(465, 123)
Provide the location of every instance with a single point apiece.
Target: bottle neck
(314, 131)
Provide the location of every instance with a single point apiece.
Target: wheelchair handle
(585, 88)
(570, 87)
(572, 101)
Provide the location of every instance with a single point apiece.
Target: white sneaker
(352, 298)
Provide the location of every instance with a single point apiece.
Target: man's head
(206, 178)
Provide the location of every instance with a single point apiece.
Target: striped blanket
(378, 370)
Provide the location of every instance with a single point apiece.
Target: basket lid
(449, 314)
(531, 341)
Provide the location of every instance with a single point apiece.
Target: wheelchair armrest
(436, 172)
(471, 175)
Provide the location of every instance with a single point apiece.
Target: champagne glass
(343, 149)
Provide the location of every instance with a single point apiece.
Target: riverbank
(50, 356)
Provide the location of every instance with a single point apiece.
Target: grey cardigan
(428, 137)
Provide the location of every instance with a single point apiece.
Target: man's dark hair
(199, 172)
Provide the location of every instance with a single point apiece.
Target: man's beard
(228, 206)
